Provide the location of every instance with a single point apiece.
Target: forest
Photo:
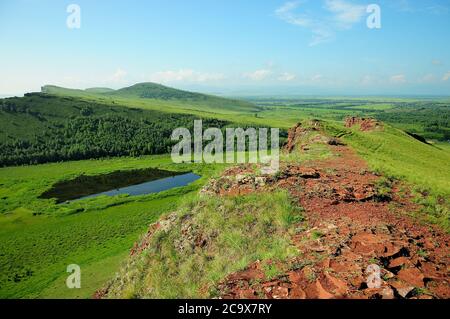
(40, 128)
(83, 130)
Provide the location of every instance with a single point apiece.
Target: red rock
(439, 289)
(369, 249)
(270, 283)
(296, 277)
(368, 238)
(297, 293)
(428, 243)
(430, 271)
(316, 291)
(384, 293)
(344, 266)
(280, 292)
(247, 274)
(387, 293)
(338, 286)
(247, 294)
(391, 249)
(411, 276)
(400, 261)
(326, 263)
(306, 172)
(402, 288)
(351, 256)
(357, 281)
(369, 244)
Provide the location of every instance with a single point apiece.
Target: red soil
(350, 229)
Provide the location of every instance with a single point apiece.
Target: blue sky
(229, 46)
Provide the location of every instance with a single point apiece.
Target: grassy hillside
(70, 128)
(239, 230)
(99, 90)
(156, 91)
(57, 90)
(152, 95)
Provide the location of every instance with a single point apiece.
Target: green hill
(157, 91)
(99, 90)
(57, 90)
(39, 128)
(160, 97)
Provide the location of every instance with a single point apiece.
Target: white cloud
(285, 12)
(344, 15)
(398, 79)
(286, 77)
(317, 77)
(185, 75)
(119, 75)
(446, 76)
(436, 62)
(320, 31)
(258, 75)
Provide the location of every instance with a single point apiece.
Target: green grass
(37, 252)
(38, 238)
(239, 230)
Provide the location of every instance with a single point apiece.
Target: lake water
(132, 182)
(157, 186)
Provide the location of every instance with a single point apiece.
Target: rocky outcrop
(365, 124)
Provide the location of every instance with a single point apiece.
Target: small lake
(133, 183)
(157, 186)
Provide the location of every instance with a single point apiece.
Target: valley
(265, 228)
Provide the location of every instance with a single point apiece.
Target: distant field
(373, 107)
(427, 117)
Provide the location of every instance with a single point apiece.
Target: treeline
(96, 137)
(48, 128)
(432, 119)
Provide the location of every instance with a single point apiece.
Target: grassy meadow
(95, 233)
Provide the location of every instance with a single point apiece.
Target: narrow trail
(360, 242)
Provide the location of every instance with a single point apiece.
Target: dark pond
(135, 182)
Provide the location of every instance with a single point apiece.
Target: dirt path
(360, 243)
